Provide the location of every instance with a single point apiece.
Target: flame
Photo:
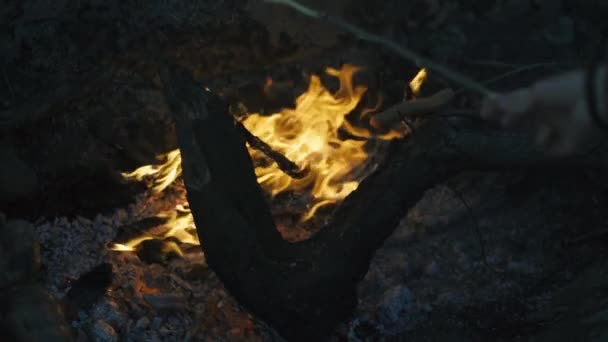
(182, 228)
(131, 245)
(162, 175)
(179, 226)
(418, 80)
(308, 135)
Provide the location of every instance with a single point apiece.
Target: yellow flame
(417, 81)
(131, 245)
(307, 134)
(179, 226)
(163, 175)
(172, 247)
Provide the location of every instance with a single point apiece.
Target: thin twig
(403, 52)
(286, 165)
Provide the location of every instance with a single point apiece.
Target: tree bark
(304, 289)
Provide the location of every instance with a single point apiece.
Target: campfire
(149, 258)
(170, 175)
(332, 153)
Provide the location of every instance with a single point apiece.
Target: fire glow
(308, 135)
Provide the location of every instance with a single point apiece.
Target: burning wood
(303, 289)
(308, 135)
(323, 163)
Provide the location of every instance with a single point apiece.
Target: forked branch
(304, 289)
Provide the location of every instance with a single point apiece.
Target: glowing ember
(307, 134)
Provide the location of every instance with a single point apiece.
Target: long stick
(412, 56)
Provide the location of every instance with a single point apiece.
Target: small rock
(164, 331)
(432, 269)
(165, 301)
(157, 322)
(156, 251)
(101, 331)
(90, 287)
(109, 311)
(142, 323)
(196, 271)
(397, 310)
(179, 281)
(394, 304)
(362, 330)
(83, 220)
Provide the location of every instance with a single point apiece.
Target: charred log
(303, 289)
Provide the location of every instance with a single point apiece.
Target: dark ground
(80, 101)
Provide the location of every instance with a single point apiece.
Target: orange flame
(161, 175)
(179, 226)
(307, 134)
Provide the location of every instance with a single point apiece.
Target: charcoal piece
(165, 301)
(89, 288)
(139, 228)
(156, 251)
(110, 311)
(102, 331)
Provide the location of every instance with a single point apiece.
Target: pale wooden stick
(418, 107)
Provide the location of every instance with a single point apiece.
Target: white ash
(72, 247)
(173, 301)
(102, 332)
